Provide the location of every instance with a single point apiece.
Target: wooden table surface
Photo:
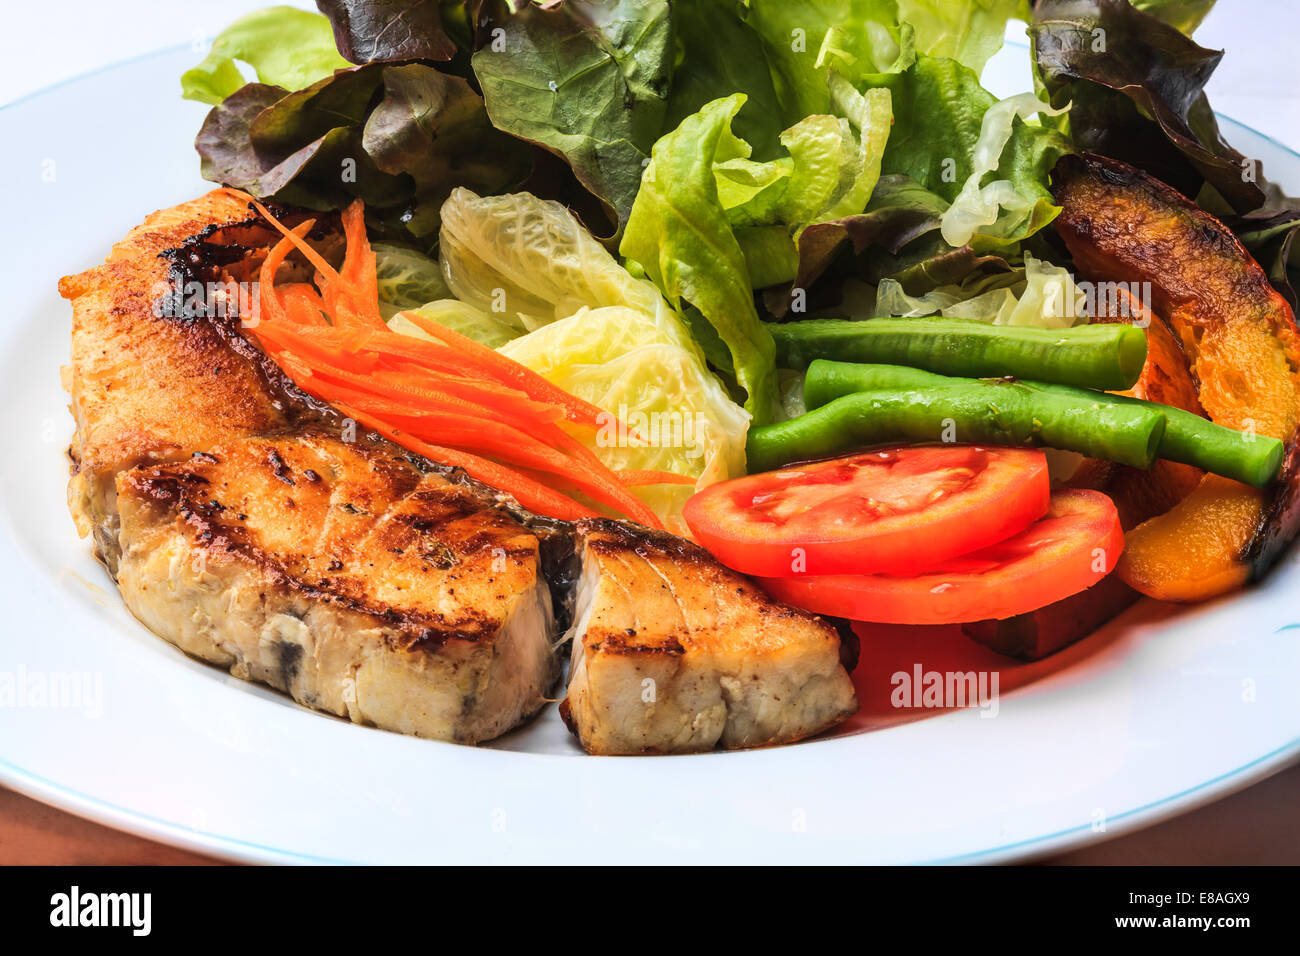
(1260, 825)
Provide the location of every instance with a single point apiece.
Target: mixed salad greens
(679, 209)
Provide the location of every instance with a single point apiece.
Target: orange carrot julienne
(528, 492)
(303, 304)
(314, 257)
(361, 368)
(490, 437)
(508, 401)
(305, 291)
(308, 350)
(433, 397)
(272, 304)
(634, 478)
(448, 398)
(399, 406)
(359, 267)
(532, 383)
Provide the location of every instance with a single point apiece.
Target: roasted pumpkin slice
(1166, 378)
(1242, 347)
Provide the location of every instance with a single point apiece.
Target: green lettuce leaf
(286, 47)
(1184, 15)
(968, 31)
(832, 167)
(805, 42)
(679, 234)
(588, 81)
(530, 259)
(703, 28)
(900, 211)
(859, 38)
(407, 278)
(940, 143)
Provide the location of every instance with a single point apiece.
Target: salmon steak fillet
(674, 653)
(260, 530)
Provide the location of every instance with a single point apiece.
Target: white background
(49, 42)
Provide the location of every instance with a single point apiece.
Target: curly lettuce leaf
(1137, 87)
(968, 31)
(679, 233)
(702, 28)
(1000, 204)
(370, 30)
(432, 128)
(286, 47)
(400, 137)
(806, 42)
(407, 278)
(939, 141)
(588, 81)
(530, 259)
(1039, 294)
(291, 146)
(832, 166)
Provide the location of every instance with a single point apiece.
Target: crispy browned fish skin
(673, 653)
(1244, 351)
(146, 388)
(435, 620)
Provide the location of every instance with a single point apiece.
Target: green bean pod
(989, 413)
(1188, 438)
(1104, 356)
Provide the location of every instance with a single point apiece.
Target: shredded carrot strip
(273, 307)
(314, 257)
(303, 304)
(633, 478)
(432, 398)
(528, 492)
(490, 437)
(358, 272)
(510, 402)
(287, 338)
(524, 377)
(449, 398)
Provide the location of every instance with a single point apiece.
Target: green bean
(1188, 438)
(992, 413)
(1091, 356)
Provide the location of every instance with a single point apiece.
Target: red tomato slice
(1073, 547)
(892, 511)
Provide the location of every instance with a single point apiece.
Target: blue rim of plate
(200, 841)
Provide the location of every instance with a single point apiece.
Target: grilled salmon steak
(345, 577)
(258, 529)
(243, 527)
(673, 653)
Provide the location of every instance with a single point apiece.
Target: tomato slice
(892, 511)
(1072, 548)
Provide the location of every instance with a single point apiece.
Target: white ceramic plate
(1158, 712)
